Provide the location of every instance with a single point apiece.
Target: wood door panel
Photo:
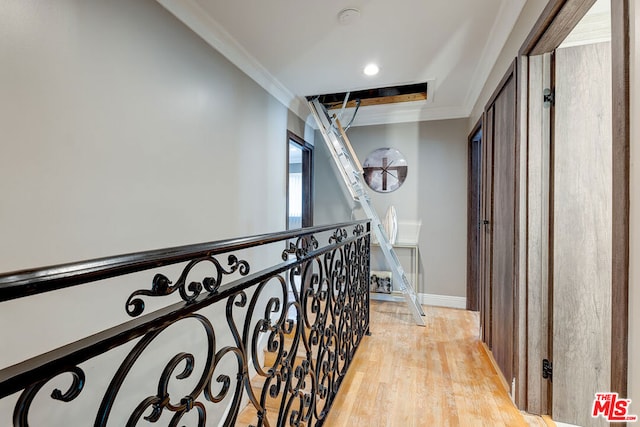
(499, 208)
(474, 218)
(582, 223)
(503, 229)
(485, 233)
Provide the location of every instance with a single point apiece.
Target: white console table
(415, 268)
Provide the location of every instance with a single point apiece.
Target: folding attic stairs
(352, 175)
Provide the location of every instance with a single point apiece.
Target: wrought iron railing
(264, 348)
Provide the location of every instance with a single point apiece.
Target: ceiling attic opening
(377, 96)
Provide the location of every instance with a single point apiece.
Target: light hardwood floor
(405, 375)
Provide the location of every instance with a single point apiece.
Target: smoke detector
(348, 16)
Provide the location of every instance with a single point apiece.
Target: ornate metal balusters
(21, 410)
(161, 285)
(162, 400)
(310, 312)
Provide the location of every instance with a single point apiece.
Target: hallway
(405, 375)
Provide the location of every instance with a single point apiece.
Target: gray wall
(435, 193)
(122, 131)
(331, 202)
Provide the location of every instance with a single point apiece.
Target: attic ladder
(351, 171)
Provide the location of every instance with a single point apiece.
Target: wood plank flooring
(405, 375)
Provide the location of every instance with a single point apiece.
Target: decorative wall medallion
(385, 169)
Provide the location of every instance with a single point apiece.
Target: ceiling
(297, 48)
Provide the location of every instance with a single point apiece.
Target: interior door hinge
(547, 370)
(549, 97)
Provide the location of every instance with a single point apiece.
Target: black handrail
(23, 283)
(332, 316)
(19, 376)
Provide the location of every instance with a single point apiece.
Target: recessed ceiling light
(371, 69)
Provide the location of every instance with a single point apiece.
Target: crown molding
(509, 12)
(405, 113)
(191, 13)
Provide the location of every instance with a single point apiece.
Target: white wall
(634, 191)
(435, 193)
(122, 131)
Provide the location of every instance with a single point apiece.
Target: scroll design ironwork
(327, 330)
(302, 246)
(21, 410)
(338, 236)
(289, 339)
(189, 292)
(162, 400)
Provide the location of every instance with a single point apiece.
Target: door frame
(557, 20)
(474, 213)
(307, 179)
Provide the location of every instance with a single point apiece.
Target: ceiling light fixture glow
(371, 69)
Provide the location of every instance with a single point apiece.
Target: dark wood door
(486, 209)
(474, 218)
(500, 232)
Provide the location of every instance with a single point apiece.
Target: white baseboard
(443, 301)
(558, 424)
(395, 296)
(426, 299)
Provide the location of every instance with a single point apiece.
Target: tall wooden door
(581, 229)
(499, 206)
(486, 212)
(474, 218)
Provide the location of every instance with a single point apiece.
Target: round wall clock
(385, 169)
